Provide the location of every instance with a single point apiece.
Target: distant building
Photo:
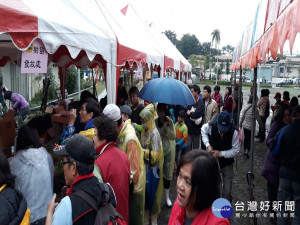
(274, 72)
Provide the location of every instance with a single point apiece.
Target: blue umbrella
(167, 90)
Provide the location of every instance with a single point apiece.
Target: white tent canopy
(135, 41)
(77, 25)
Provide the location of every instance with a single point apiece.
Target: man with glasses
(78, 165)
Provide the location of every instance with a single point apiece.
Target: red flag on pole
(124, 10)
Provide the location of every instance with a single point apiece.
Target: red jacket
(115, 170)
(204, 217)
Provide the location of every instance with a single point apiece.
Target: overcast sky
(201, 17)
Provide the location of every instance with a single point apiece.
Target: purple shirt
(19, 102)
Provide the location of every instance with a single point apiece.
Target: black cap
(79, 147)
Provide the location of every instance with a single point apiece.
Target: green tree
(193, 61)
(227, 67)
(172, 36)
(222, 66)
(219, 70)
(205, 48)
(53, 86)
(72, 80)
(215, 35)
(188, 45)
(227, 49)
(279, 57)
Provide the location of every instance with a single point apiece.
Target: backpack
(106, 213)
(267, 111)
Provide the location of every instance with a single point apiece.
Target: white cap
(112, 111)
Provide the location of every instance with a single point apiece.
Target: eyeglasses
(62, 163)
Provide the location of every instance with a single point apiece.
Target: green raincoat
(169, 146)
(128, 142)
(151, 140)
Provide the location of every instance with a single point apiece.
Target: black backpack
(106, 213)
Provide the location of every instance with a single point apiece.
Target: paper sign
(35, 58)
(139, 72)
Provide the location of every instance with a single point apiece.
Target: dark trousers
(289, 191)
(272, 195)
(166, 183)
(193, 141)
(235, 116)
(179, 152)
(262, 131)
(247, 139)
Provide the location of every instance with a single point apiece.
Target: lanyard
(104, 149)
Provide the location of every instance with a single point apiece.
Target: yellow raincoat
(151, 140)
(169, 147)
(128, 142)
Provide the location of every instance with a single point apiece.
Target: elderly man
(129, 143)
(78, 165)
(222, 141)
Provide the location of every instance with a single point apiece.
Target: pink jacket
(204, 217)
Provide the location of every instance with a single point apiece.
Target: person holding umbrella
(153, 154)
(166, 128)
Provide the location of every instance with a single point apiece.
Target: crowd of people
(132, 152)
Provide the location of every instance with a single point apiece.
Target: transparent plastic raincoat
(128, 142)
(151, 140)
(169, 146)
(34, 171)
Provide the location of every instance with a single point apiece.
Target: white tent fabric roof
(76, 24)
(132, 32)
(169, 49)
